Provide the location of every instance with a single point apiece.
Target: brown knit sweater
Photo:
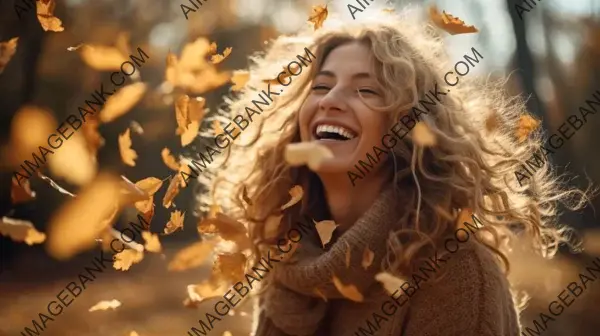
(472, 298)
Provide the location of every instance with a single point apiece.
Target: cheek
(374, 126)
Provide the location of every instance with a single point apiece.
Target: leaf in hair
(307, 153)
(527, 124)
(325, 230)
(423, 136)
(296, 193)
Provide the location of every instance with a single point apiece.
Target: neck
(346, 202)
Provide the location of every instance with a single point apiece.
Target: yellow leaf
(230, 266)
(423, 136)
(190, 133)
(21, 193)
(125, 259)
(21, 231)
(73, 162)
(296, 193)
(390, 282)
(196, 109)
(48, 21)
(239, 79)
(102, 57)
(152, 242)
(182, 113)
(150, 185)
(75, 225)
(318, 16)
(122, 101)
(175, 223)
(227, 228)
(105, 305)
(307, 153)
(172, 190)
(325, 230)
(367, 258)
(216, 59)
(128, 155)
(168, 159)
(527, 124)
(449, 23)
(7, 50)
(192, 256)
(349, 291)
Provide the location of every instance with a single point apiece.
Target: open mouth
(333, 133)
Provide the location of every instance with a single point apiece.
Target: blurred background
(552, 56)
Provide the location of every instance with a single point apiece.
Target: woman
(365, 78)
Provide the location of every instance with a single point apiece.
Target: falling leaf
(527, 124)
(136, 127)
(272, 224)
(226, 227)
(367, 258)
(389, 282)
(239, 79)
(449, 23)
(325, 230)
(216, 59)
(7, 50)
(175, 223)
(388, 10)
(172, 190)
(102, 58)
(150, 185)
(182, 113)
(105, 305)
(320, 294)
(190, 133)
(307, 153)
(76, 224)
(296, 193)
(75, 47)
(348, 254)
(168, 159)
(21, 231)
(122, 101)
(128, 155)
(319, 14)
(245, 196)
(48, 21)
(125, 259)
(152, 242)
(230, 266)
(73, 162)
(208, 289)
(21, 193)
(92, 137)
(423, 136)
(349, 291)
(192, 256)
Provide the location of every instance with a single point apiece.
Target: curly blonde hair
(471, 167)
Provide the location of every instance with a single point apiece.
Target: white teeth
(346, 133)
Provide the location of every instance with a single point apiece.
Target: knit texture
(472, 298)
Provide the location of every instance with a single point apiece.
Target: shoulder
(472, 297)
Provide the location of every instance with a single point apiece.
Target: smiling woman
(368, 76)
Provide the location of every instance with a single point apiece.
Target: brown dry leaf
(105, 305)
(218, 58)
(73, 162)
(296, 193)
(7, 50)
(168, 159)
(423, 136)
(152, 242)
(390, 282)
(75, 225)
(122, 101)
(182, 113)
(367, 258)
(245, 196)
(21, 193)
(175, 223)
(125, 259)
(320, 294)
(318, 16)
(190, 133)
(192, 256)
(349, 291)
(492, 122)
(102, 58)
(325, 230)
(128, 155)
(272, 224)
(226, 227)
(239, 79)
(21, 231)
(527, 124)
(307, 153)
(230, 266)
(348, 254)
(45, 15)
(449, 23)
(172, 191)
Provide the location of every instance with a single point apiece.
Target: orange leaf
(192, 256)
(349, 291)
(128, 155)
(196, 109)
(296, 193)
(227, 228)
(230, 266)
(150, 185)
(307, 153)
(92, 137)
(239, 79)
(122, 101)
(190, 133)
(172, 190)
(21, 231)
(48, 21)
(217, 127)
(368, 257)
(390, 282)
(7, 50)
(105, 305)
(152, 242)
(325, 230)
(216, 59)
(182, 113)
(423, 136)
(175, 223)
(319, 14)
(74, 162)
(449, 23)
(125, 259)
(168, 159)
(21, 193)
(527, 124)
(102, 57)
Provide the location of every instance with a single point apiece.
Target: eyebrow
(356, 75)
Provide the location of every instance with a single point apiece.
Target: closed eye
(368, 91)
(320, 87)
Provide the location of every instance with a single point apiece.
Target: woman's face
(335, 116)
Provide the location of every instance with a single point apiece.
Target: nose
(334, 100)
